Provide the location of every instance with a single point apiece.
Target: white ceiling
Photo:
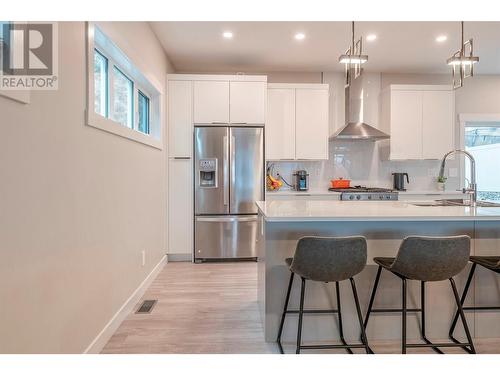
(400, 47)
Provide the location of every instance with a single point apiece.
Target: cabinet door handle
(182, 157)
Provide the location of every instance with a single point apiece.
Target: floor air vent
(146, 306)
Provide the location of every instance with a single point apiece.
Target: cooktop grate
(361, 189)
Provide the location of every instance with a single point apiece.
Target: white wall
(77, 205)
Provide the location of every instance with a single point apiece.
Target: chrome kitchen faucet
(472, 188)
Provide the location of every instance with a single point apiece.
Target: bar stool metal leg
(301, 313)
(422, 307)
(364, 340)
(285, 308)
(462, 301)
(403, 318)
(341, 330)
(372, 297)
(462, 317)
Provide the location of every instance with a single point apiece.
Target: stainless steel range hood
(355, 128)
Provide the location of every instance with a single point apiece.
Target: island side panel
(487, 283)
(261, 267)
(384, 239)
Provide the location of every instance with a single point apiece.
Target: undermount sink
(454, 202)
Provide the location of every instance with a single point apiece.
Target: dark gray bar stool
(491, 263)
(326, 259)
(426, 259)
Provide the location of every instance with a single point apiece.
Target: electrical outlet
(143, 253)
(453, 172)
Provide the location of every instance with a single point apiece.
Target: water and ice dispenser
(208, 173)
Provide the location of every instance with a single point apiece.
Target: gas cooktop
(363, 193)
(361, 189)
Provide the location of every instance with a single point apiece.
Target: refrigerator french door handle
(232, 147)
(225, 170)
(218, 219)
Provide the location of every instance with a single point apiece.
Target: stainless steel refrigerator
(229, 178)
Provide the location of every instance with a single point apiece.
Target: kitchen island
(384, 224)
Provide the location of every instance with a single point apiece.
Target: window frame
(148, 116)
(467, 118)
(107, 91)
(132, 124)
(148, 86)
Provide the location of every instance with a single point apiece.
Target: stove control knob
(381, 197)
(388, 197)
(358, 197)
(369, 197)
(351, 197)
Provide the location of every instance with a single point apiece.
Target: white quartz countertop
(332, 210)
(326, 192)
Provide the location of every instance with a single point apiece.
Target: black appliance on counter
(399, 181)
(301, 180)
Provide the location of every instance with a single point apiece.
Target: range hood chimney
(355, 128)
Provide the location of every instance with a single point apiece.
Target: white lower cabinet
(180, 206)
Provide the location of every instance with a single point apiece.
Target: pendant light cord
(462, 49)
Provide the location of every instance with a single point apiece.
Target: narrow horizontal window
(123, 102)
(143, 110)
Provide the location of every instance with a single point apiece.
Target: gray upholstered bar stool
(491, 263)
(426, 259)
(326, 259)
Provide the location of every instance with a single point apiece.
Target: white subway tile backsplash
(360, 162)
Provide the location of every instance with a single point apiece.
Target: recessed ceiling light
(441, 38)
(300, 36)
(371, 37)
(227, 34)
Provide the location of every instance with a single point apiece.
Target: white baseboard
(109, 329)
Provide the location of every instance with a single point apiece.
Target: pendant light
(462, 62)
(353, 58)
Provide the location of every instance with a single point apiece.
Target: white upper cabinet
(438, 123)
(211, 102)
(420, 120)
(406, 125)
(247, 102)
(311, 124)
(180, 119)
(297, 122)
(280, 126)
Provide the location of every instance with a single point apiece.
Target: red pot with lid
(340, 183)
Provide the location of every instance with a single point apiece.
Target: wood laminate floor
(212, 308)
